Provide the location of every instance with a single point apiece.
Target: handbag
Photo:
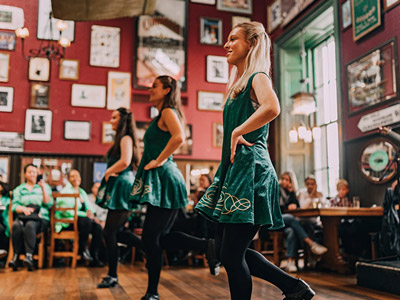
(34, 216)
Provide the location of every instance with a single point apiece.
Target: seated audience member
(341, 198)
(31, 202)
(4, 227)
(294, 231)
(203, 227)
(310, 198)
(86, 223)
(100, 213)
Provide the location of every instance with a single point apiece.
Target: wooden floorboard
(182, 283)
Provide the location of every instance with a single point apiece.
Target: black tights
(231, 243)
(156, 237)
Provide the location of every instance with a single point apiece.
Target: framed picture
(217, 69)
(6, 98)
(43, 24)
(290, 9)
(7, 40)
(390, 4)
(39, 69)
(210, 31)
(373, 78)
(346, 14)
(210, 101)
(69, 69)
(239, 19)
(4, 66)
(40, 95)
(242, 7)
(119, 90)
(366, 16)
(210, 2)
(186, 148)
(217, 134)
(108, 134)
(38, 125)
(88, 95)
(4, 168)
(161, 44)
(77, 130)
(274, 17)
(11, 141)
(11, 17)
(104, 46)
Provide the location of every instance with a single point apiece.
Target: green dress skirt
(163, 186)
(246, 191)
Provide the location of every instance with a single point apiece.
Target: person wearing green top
(4, 226)
(31, 202)
(115, 187)
(160, 185)
(86, 223)
(245, 192)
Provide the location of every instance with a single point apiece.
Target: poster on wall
(366, 17)
(118, 90)
(104, 46)
(11, 17)
(11, 141)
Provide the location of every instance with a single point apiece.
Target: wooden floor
(181, 283)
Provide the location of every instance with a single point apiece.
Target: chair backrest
(54, 220)
(10, 213)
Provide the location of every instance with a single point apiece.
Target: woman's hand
(237, 139)
(152, 165)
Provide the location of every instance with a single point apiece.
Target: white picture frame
(105, 46)
(4, 168)
(274, 15)
(11, 17)
(11, 141)
(38, 125)
(77, 130)
(4, 66)
(88, 95)
(118, 90)
(213, 101)
(6, 98)
(217, 69)
(69, 69)
(239, 19)
(346, 14)
(242, 7)
(43, 24)
(39, 69)
(108, 134)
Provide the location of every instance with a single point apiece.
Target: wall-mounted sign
(366, 17)
(381, 117)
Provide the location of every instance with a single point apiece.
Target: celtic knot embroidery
(207, 199)
(137, 187)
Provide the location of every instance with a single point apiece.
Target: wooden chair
(275, 247)
(39, 237)
(64, 234)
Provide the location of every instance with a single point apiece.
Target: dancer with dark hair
(245, 192)
(161, 186)
(115, 187)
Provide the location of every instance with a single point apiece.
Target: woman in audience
(100, 213)
(245, 193)
(161, 186)
(116, 185)
(294, 231)
(4, 227)
(86, 223)
(32, 201)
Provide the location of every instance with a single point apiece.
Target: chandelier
(53, 50)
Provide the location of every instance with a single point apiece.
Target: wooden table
(330, 218)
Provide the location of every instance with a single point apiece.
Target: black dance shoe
(150, 297)
(302, 292)
(108, 282)
(28, 262)
(212, 260)
(14, 262)
(86, 255)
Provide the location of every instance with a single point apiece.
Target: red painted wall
(60, 90)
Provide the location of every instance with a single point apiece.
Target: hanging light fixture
(293, 136)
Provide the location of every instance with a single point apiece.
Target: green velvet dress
(246, 191)
(163, 186)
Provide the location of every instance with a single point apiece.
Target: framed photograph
(390, 4)
(242, 7)
(210, 31)
(119, 90)
(373, 78)
(11, 141)
(88, 95)
(43, 24)
(38, 125)
(6, 98)
(40, 95)
(77, 130)
(366, 16)
(4, 168)
(69, 69)
(217, 134)
(290, 9)
(274, 16)
(108, 134)
(217, 69)
(239, 19)
(7, 40)
(346, 14)
(161, 43)
(104, 46)
(39, 69)
(210, 2)
(4, 66)
(11, 17)
(210, 101)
